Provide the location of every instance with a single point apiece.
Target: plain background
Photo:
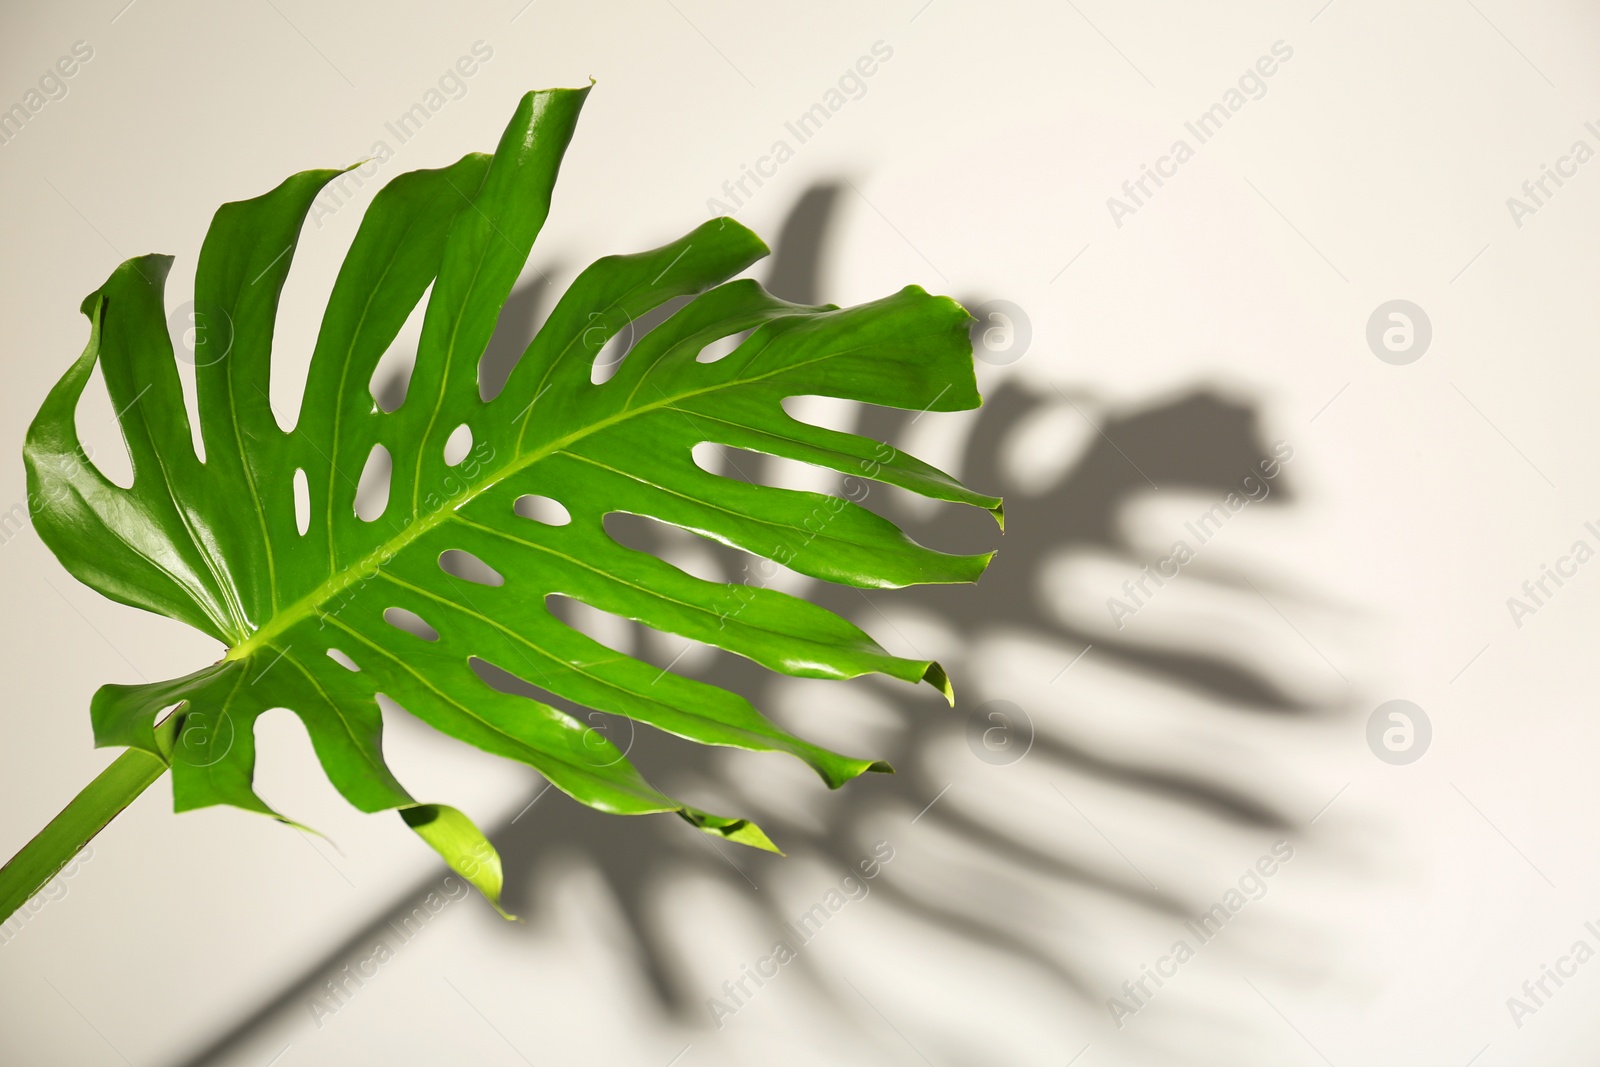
(1375, 166)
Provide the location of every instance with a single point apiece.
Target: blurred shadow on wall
(1200, 442)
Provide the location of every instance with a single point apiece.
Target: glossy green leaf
(312, 621)
(463, 846)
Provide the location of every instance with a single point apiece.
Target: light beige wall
(1375, 165)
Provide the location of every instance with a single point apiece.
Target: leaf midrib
(306, 606)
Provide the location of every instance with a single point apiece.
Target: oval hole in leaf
(503, 681)
(372, 491)
(469, 568)
(302, 502)
(695, 556)
(828, 412)
(664, 651)
(610, 630)
(712, 458)
(542, 509)
(779, 472)
(678, 654)
(644, 534)
(342, 660)
(611, 354)
(411, 623)
(722, 346)
(459, 444)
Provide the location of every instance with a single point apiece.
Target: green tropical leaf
(322, 621)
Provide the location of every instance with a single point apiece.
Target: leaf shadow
(1200, 441)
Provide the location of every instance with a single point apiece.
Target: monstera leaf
(321, 610)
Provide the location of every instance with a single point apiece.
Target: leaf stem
(112, 790)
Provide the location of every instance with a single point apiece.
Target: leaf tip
(758, 249)
(304, 829)
(935, 676)
(740, 831)
(752, 835)
(463, 847)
